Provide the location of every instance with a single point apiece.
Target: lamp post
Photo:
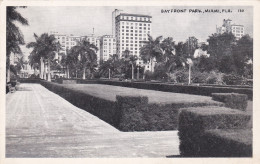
(108, 73)
(190, 63)
(137, 72)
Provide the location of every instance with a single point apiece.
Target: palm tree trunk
(84, 73)
(132, 71)
(8, 74)
(44, 71)
(41, 68)
(137, 73)
(49, 70)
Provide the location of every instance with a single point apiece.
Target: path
(40, 123)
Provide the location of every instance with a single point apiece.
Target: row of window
(127, 27)
(136, 31)
(140, 38)
(110, 40)
(127, 34)
(237, 31)
(135, 18)
(135, 24)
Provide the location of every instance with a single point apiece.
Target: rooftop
(141, 15)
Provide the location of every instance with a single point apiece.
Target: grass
(109, 92)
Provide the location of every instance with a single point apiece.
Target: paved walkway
(40, 123)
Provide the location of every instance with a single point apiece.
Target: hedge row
(26, 80)
(198, 125)
(232, 100)
(126, 113)
(197, 90)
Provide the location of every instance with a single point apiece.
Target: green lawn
(109, 92)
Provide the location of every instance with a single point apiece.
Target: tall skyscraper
(237, 30)
(130, 31)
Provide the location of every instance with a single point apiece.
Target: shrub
(233, 79)
(215, 78)
(193, 122)
(226, 143)
(232, 100)
(179, 76)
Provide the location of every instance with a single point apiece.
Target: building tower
(131, 31)
(115, 13)
(237, 30)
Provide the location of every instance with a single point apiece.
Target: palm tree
(86, 53)
(151, 50)
(14, 37)
(131, 59)
(44, 48)
(112, 66)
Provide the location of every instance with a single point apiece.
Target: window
(140, 24)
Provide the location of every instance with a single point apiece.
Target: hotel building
(237, 30)
(107, 47)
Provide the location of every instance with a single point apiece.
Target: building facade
(107, 47)
(131, 31)
(237, 30)
(68, 41)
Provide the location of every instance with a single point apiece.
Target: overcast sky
(82, 20)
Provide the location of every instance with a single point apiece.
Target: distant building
(131, 30)
(68, 41)
(237, 30)
(107, 47)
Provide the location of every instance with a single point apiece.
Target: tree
(44, 48)
(112, 66)
(243, 55)
(14, 37)
(151, 50)
(86, 53)
(220, 49)
(131, 59)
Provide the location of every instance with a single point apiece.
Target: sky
(81, 20)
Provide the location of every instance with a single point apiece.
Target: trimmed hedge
(127, 113)
(196, 90)
(67, 81)
(27, 80)
(226, 143)
(232, 100)
(195, 122)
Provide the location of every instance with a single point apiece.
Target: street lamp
(190, 63)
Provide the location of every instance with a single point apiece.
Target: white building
(68, 41)
(107, 47)
(96, 41)
(237, 30)
(131, 30)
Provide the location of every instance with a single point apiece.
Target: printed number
(240, 10)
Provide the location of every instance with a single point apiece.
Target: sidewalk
(40, 123)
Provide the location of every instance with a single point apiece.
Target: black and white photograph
(124, 81)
